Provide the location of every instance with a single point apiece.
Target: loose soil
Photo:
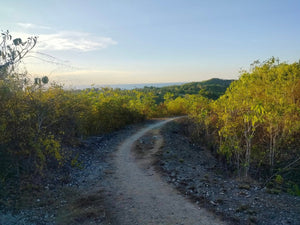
(139, 196)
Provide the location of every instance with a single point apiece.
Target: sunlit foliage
(211, 89)
(35, 121)
(256, 123)
(254, 126)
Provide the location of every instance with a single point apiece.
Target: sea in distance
(132, 86)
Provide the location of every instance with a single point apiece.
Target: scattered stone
(244, 186)
(216, 189)
(213, 203)
(242, 208)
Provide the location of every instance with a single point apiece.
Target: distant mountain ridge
(211, 89)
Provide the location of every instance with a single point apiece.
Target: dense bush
(255, 125)
(36, 120)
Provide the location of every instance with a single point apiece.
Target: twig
(284, 168)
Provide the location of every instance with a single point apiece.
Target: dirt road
(138, 195)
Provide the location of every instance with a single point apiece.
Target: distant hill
(211, 89)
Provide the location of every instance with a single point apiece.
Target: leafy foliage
(38, 119)
(255, 124)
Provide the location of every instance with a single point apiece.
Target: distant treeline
(211, 89)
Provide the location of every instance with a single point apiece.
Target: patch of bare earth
(138, 195)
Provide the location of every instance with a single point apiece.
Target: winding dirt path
(138, 196)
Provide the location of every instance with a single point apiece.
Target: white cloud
(70, 40)
(32, 26)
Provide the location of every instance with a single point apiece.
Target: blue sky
(138, 41)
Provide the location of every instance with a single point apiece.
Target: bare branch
(12, 51)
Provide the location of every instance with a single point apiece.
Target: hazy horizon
(129, 86)
(139, 41)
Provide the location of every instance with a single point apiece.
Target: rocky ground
(196, 173)
(72, 197)
(79, 197)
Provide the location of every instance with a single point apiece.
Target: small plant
(279, 179)
(76, 163)
(273, 191)
(294, 190)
